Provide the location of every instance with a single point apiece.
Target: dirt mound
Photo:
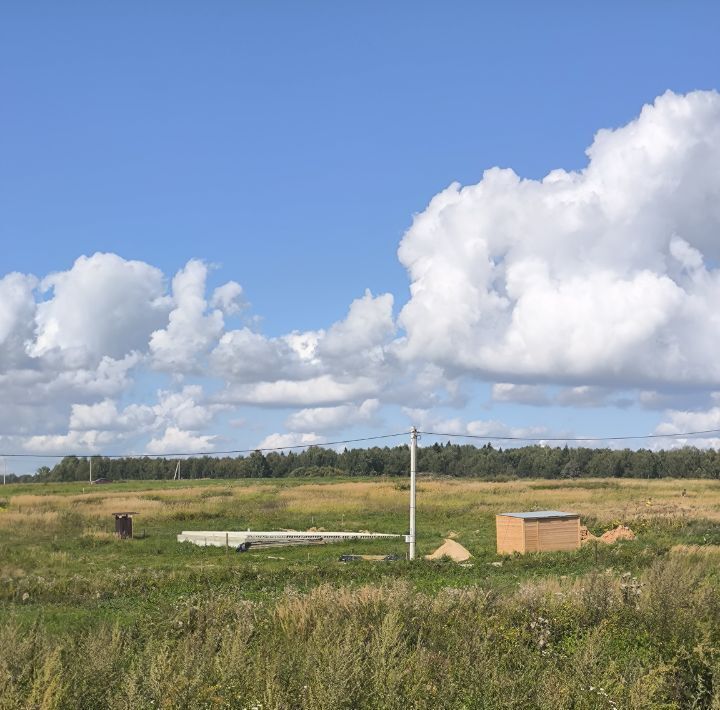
(454, 550)
(621, 532)
(586, 535)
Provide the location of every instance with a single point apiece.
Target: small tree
(257, 466)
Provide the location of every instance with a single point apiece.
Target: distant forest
(439, 459)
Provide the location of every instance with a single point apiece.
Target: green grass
(58, 564)
(388, 634)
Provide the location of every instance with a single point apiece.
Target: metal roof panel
(534, 514)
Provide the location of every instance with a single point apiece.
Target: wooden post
(579, 541)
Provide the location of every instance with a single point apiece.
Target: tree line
(461, 460)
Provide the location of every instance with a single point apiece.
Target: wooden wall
(539, 535)
(510, 537)
(532, 536)
(558, 534)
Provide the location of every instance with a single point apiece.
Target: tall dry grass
(603, 641)
(603, 499)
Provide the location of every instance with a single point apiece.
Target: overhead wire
(481, 437)
(206, 453)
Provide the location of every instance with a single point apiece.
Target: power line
(205, 453)
(228, 452)
(679, 435)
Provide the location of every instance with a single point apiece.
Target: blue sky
(287, 146)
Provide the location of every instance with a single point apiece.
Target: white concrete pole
(91, 469)
(4, 470)
(413, 471)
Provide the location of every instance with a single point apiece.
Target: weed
(92, 621)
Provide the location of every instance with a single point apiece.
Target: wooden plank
(557, 534)
(532, 536)
(509, 535)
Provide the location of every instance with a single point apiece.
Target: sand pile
(621, 532)
(454, 550)
(586, 535)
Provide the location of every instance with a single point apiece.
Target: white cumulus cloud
(679, 421)
(246, 356)
(520, 394)
(333, 418)
(104, 306)
(17, 313)
(185, 408)
(191, 330)
(177, 441)
(323, 390)
(369, 324)
(290, 439)
(602, 276)
(352, 360)
(79, 442)
(105, 416)
(228, 298)
(488, 429)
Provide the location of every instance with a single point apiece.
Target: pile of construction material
(244, 540)
(452, 550)
(369, 558)
(621, 532)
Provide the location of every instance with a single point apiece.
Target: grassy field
(91, 621)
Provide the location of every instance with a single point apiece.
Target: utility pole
(413, 472)
(90, 469)
(4, 470)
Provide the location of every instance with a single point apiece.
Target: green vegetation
(89, 621)
(448, 459)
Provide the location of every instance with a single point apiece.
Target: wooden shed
(537, 531)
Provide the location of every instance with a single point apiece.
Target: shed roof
(535, 514)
